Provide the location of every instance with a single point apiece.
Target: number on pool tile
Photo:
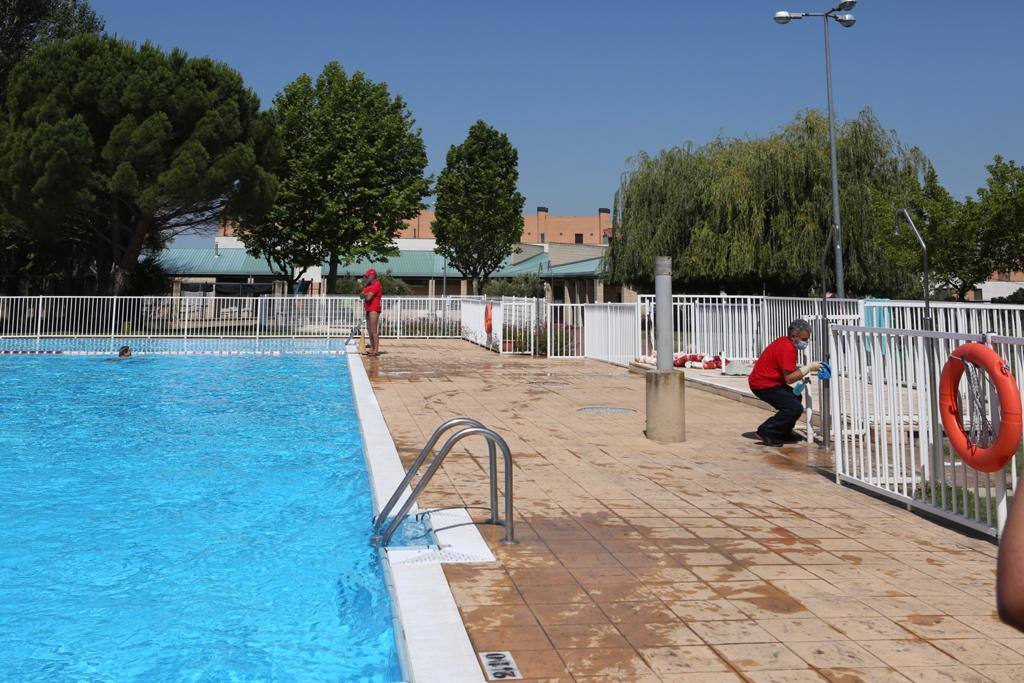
(499, 666)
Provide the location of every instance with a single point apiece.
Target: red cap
(370, 272)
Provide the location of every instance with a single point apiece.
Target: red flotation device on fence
(487, 319)
(994, 457)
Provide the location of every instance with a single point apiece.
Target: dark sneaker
(793, 437)
(770, 440)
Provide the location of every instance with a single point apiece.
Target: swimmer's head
(124, 352)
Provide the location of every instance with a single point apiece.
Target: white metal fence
(886, 428)
(565, 325)
(612, 333)
(739, 327)
(219, 317)
(421, 317)
(707, 324)
(520, 320)
(474, 323)
(960, 318)
(513, 325)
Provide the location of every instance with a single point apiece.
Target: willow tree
(746, 214)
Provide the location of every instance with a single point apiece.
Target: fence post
(832, 386)
(1001, 503)
(762, 324)
(39, 317)
(113, 322)
(550, 327)
(536, 325)
(398, 314)
(324, 304)
(259, 316)
(638, 315)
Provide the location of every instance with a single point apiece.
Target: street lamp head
(785, 17)
(846, 20)
(846, 6)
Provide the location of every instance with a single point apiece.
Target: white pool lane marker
(429, 628)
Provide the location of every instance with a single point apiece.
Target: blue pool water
(187, 518)
(159, 346)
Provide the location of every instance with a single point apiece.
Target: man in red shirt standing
(774, 371)
(371, 295)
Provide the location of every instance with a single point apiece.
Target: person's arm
(795, 376)
(1010, 571)
(802, 371)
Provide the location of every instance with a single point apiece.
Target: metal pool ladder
(382, 534)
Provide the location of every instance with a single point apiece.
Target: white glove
(810, 368)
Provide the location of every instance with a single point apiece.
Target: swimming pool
(187, 518)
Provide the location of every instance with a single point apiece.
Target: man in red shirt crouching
(774, 371)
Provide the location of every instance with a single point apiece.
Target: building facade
(541, 227)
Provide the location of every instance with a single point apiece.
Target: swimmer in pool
(124, 352)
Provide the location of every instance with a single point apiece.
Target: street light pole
(836, 220)
(846, 21)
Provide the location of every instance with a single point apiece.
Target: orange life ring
(995, 457)
(487, 319)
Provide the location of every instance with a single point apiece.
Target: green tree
(25, 24)
(958, 252)
(969, 241)
(1001, 208)
(479, 211)
(393, 286)
(1015, 298)
(123, 147)
(352, 169)
(288, 250)
(748, 214)
(286, 234)
(529, 285)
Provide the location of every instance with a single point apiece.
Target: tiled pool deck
(714, 560)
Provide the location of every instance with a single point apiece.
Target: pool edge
(431, 637)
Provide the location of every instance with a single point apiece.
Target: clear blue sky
(581, 86)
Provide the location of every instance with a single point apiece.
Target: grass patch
(962, 500)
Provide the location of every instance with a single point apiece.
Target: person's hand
(810, 368)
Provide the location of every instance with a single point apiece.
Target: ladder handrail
(352, 333)
(493, 438)
(418, 462)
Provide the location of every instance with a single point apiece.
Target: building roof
(206, 262)
(406, 264)
(586, 268)
(538, 263)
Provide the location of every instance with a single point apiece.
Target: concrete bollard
(666, 386)
(666, 406)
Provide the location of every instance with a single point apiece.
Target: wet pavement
(714, 560)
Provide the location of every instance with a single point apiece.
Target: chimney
(542, 221)
(601, 221)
